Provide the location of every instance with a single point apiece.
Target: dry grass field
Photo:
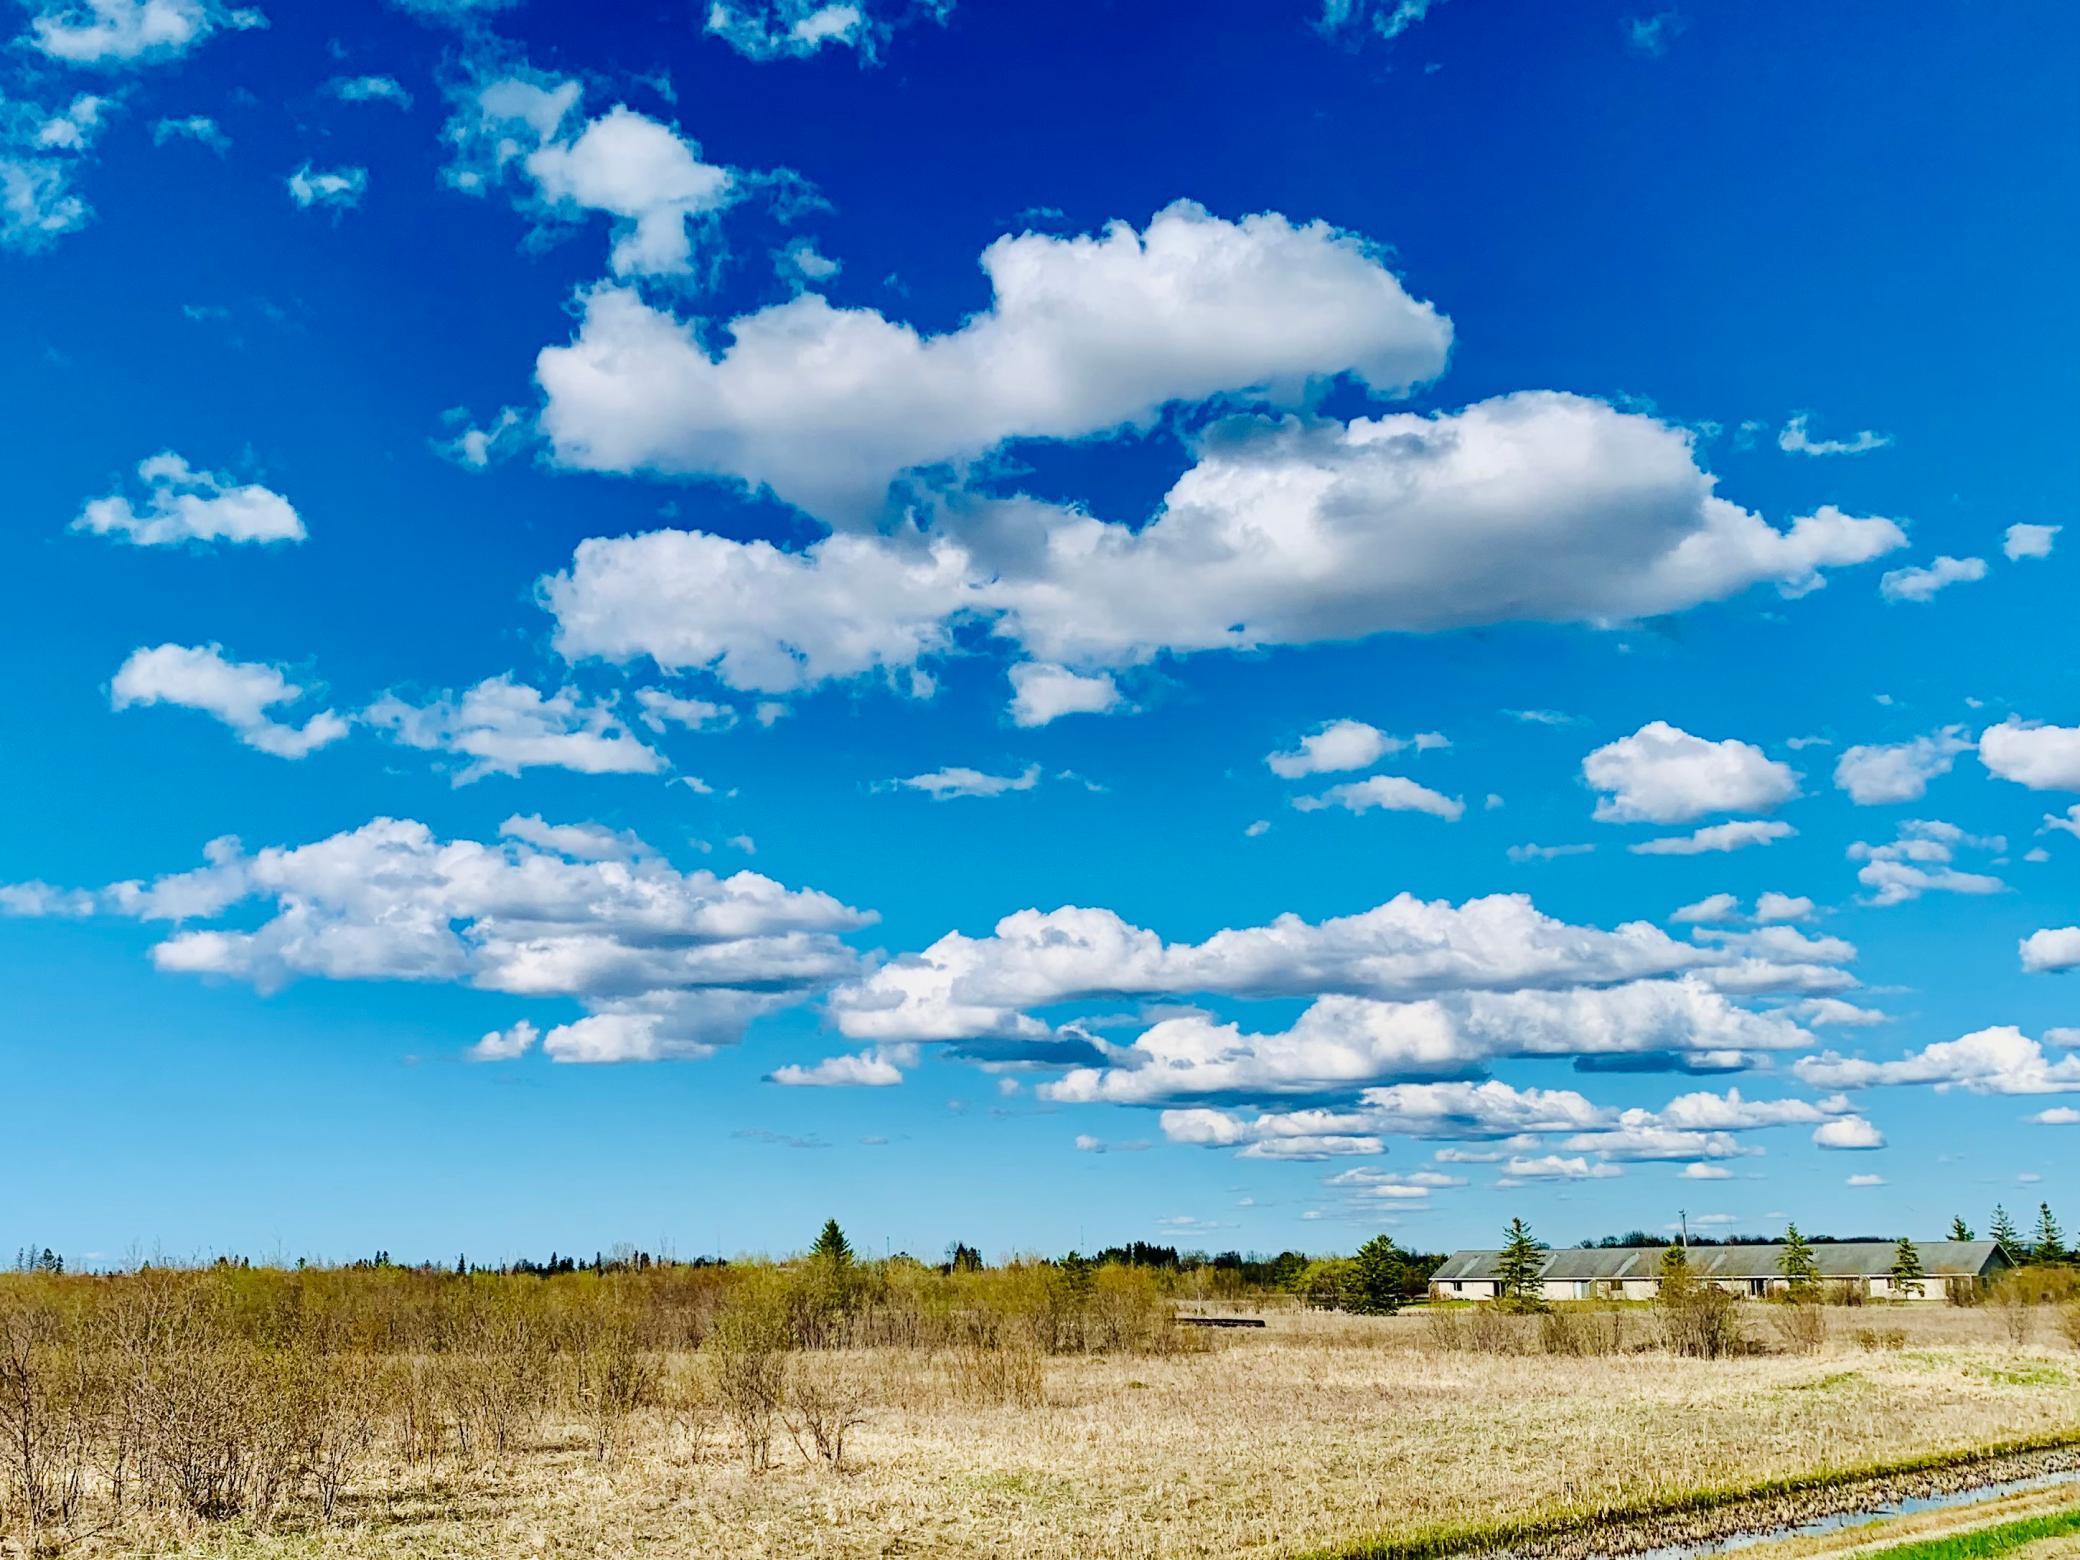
(1318, 1430)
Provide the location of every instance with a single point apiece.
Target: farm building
(1634, 1272)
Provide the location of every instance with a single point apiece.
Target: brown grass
(579, 1421)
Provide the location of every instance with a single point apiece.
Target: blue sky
(1040, 625)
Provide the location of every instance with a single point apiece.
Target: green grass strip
(1440, 1542)
(1983, 1543)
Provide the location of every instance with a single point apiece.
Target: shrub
(826, 1400)
(1872, 1339)
(747, 1347)
(1700, 1321)
(1801, 1325)
(1580, 1331)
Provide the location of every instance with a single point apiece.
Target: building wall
(1933, 1289)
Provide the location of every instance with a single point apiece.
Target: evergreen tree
(2003, 1233)
(1676, 1281)
(1959, 1230)
(1376, 1277)
(2050, 1244)
(832, 1246)
(1907, 1274)
(1522, 1259)
(1796, 1262)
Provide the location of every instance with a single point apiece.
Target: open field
(1320, 1431)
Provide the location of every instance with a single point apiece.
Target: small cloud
(369, 89)
(199, 128)
(2057, 1116)
(1796, 440)
(1256, 830)
(1704, 1172)
(1547, 852)
(503, 1045)
(2029, 541)
(1086, 1144)
(336, 189)
(945, 784)
(1651, 35)
(1921, 584)
(1848, 1132)
(1865, 1180)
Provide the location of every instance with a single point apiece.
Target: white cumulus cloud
(1663, 774)
(502, 727)
(2023, 540)
(238, 693)
(1922, 583)
(1877, 774)
(827, 406)
(185, 505)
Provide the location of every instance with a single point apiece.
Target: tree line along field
(831, 1405)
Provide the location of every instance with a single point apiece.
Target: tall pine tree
(1523, 1259)
(2004, 1234)
(1907, 1273)
(1796, 1262)
(2050, 1244)
(1959, 1230)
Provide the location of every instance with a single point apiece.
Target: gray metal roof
(1838, 1259)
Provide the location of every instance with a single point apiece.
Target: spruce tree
(1959, 1230)
(1376, 1274)
(1907, 1273)
(1796, 1262)
(2050, 1244)
(832, 1246)
(1675, 1274)
(1523, 1258)
(2004, 1235)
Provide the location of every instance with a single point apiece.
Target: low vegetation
(1040, 1407)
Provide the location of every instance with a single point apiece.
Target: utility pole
(1684, 1215)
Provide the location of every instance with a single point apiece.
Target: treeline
(1186, 1274)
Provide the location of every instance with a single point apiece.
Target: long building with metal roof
(1634, 1272)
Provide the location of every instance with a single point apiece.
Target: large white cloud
(2044, 758)
(1340, 1042)
(827, 406)
(1999, 1060)
(186, 505)
(1538, 507)
(965, 987)
(238, 693)
(502, 727)
(666, 963)
(1662, 774)
(2051, 949)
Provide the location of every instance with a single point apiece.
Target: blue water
(1863, 1516)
